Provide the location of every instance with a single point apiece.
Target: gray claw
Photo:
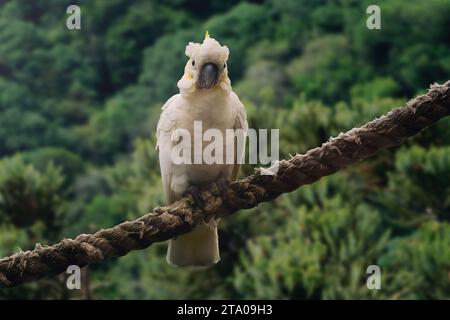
(196, 196)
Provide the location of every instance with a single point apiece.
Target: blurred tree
(240, 29)
(335, 242)
(28, 196)
(164, 64)
(142, 24)
(417, 266)
(30, 213)
(324, 69)
(82, 109)
(70, 164)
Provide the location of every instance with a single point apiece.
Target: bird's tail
(198, 248)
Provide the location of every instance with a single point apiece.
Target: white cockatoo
(206, 96)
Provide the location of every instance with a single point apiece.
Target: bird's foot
(222, 186)
(196, 195)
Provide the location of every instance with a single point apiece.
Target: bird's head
(207, 66)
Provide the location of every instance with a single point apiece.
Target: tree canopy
(77, 142)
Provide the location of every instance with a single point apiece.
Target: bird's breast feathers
(179, 112)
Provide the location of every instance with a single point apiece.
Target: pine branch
(182, 216)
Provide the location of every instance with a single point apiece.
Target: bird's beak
(209, 76)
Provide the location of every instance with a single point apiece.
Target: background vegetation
(78, 112)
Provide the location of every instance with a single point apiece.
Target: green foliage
(27, 195)
(30, 213)
(324, 68)
(164, 62)
(70, 164)
(81, 108)
(11, 239)
(112, 129)
(418, 265)
(142, 24)
(337, 240)
(421, 177)
(240, 28)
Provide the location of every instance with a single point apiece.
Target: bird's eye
(193, 62)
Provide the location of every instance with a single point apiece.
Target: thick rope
(182, 216)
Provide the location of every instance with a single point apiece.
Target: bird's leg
(196, 194)
(222, 186)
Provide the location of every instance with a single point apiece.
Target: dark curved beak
(208, 76)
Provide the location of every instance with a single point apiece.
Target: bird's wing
(240, 123)
(166, 122)
(164, 142)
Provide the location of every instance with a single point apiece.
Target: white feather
(217, 108)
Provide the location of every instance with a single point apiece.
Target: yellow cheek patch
(189, 76)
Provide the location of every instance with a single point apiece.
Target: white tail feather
(198, 248)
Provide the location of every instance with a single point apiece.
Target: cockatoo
(205, 95)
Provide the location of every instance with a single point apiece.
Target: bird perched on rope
(205, 97)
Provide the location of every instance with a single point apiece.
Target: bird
(205, 96)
